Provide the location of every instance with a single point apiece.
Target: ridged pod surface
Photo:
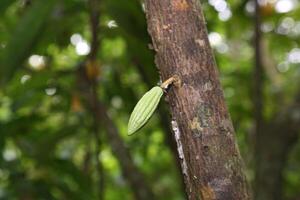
(144, 109)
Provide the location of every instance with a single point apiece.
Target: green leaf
(144, 109)
(24, 38)
(4, 4)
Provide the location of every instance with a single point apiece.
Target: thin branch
(258, 99)
(258, 72)
(94, 6)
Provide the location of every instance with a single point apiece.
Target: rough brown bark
(210, 159)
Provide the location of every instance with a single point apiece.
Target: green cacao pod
(144, 109)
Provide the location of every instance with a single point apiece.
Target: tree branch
(94, 7)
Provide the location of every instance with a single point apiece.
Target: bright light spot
(215, 39)
(112, 24)
(56, 99)
(50, 91)
(266, 27)
(222, 48)
(284, 6)
(262, 2)
(212, 2)
(65, 154)
(220, 5)
(82, 48)
(9, 154)
(294, 56)
(143, 7)
(75, 39)
(250, 7)
(297, 26)
(116, 102)
(288, 22)
(286, 26)
(283, 67)
(36, 62)
(296, 29)
(225, 15)
(25, 78)
(281, 30)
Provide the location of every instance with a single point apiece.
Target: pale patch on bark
(180, 5)
(195, 125)
(219, 184)
(207, 193)
(179, 146)
(200, 42)
(207, 86)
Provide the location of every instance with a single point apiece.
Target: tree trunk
(273, 140)
(210, 159)
(258, 73)
(274, 145)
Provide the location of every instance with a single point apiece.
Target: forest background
(71, 72)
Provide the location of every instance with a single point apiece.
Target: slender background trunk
(131, 173)
(273, 147)
(274, 139)
(258, 73)
(87, 75)
(210, 159)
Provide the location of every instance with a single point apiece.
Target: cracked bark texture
(210, 160)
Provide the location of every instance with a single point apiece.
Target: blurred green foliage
(45, 126)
